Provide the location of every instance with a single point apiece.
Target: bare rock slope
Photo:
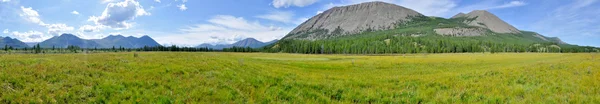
(352, 19)
(488, 20)
(460, 31)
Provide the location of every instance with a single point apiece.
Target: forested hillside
(418, 36)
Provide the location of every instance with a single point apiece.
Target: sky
(193, 22)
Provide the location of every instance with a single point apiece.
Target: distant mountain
(15, 43)
(249, 42)
(126, 42)
(66, 40)
(217, 47)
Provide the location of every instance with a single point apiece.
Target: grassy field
(297, 78)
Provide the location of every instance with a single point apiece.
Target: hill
(410, 32)
(11, 42)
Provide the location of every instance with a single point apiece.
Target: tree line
(36, 49)
(406, 45)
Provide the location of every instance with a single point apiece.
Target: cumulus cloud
(182, 7)
(31, 15)
(116, 15)
(75, 13)
(57, 29)
(224, 29)
(5, 31)
(5, 1)
(288, 3)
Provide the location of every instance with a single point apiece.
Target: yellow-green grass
(298, 78)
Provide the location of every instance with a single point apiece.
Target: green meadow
(164, 77)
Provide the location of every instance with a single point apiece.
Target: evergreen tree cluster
(407, 44)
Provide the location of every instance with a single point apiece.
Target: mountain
(485, 19)
(66, 40)
(352, 19)
(379, 27)
(248, 42)
(217, 47)
(126, 42)
(15, 43)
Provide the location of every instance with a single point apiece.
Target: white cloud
(75, 13)
(107, 1)
(288, 3)
(57, 29)
(279, 16)
(158, 1)
(5, 1)
(116, 15)
(31, 36)
(235, 22)
(224, 29)
(5, 31)
(89, 35)
(182, 7)
(31, 15)
(90, 28)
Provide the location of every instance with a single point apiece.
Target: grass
(298, 78)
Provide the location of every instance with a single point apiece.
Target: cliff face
(352, 19)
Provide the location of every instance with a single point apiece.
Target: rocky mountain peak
(485, 19)
(352, 19)
(461, 14)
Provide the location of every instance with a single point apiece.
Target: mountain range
(117, 41)
(248, 42)
(15, 43)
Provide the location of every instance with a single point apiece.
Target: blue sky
(193, 22)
